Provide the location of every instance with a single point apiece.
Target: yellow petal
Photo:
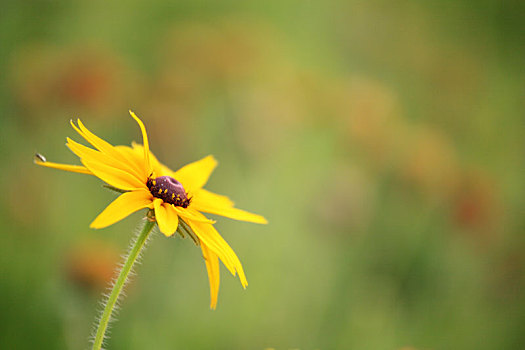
(121, 207)
(137, 152)
(234, 213)
(112, 176)
(137, 168)
(212, 265)
(212, 203)
(106, 148)
(148, 168)
(192, 214)
(195, 175)
(100, 144)
(205, 196)
(209, 236)
(167, 219)
(73, 168)
(89, 154)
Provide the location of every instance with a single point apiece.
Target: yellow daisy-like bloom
(176, 197)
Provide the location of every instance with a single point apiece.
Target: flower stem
(120, 283)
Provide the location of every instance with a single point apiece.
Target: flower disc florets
(169, 190)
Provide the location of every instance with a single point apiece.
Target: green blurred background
(384, 142)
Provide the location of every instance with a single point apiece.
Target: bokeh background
(384, 142)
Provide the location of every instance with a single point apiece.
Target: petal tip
(132, 114)
(167, 234)
(212, 158)
(259, 219)
(96, 224)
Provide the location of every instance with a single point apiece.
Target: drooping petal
(166, 216)
(121, 207)
(212, 203)
(212, 265)
(67, 167)
(209, 236)
(113, 176)
(195, 175)
(148, 168)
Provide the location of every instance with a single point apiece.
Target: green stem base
(121, 282)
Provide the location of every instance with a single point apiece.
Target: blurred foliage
(383, 141)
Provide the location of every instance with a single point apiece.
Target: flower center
(169, 190)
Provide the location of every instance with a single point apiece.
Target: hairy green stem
(120, 283)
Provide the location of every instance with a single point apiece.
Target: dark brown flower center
(169, 190)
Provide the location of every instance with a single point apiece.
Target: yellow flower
(176, 197)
